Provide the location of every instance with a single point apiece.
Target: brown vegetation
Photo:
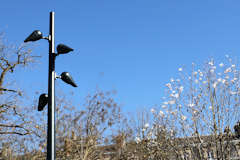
(194, 121)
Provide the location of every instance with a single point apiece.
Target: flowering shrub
(198, 105)
(204, 101)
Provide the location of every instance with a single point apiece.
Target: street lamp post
(49, 98)
(51, 137)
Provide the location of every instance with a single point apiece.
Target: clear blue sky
(132, 46)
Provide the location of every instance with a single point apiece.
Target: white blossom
(176, 95)
(180, 69)
(183, 117)
(146, 125)
(169, 86)
(212, 70)
(164, 106)
(228, 70)
(234, 79)
(153, 110)
(195, 112)
(171, 132)
(172, 80)
(215, 84)
(223, 81)
(166, 103)
(196, 81)
(210, 63)
(171, 102)
(161, 113)
(233, 93)
(191, 105)
(137, 139)
(181, 89)
(221, 64)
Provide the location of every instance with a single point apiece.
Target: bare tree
(14, 120)
(82, 134)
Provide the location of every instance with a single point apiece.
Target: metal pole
(51, 152)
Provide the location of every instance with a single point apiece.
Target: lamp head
(63, 49)
(43, 101)
(34, 36)
(67, 78)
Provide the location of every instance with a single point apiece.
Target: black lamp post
(49, 98)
